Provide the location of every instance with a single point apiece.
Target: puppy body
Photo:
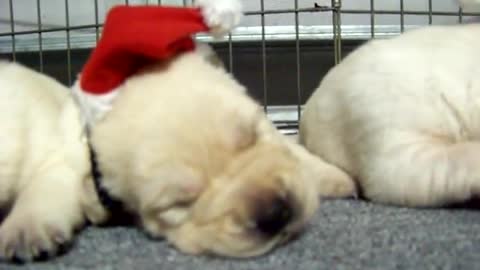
(43, 162)
(196, 158)
(402, 117)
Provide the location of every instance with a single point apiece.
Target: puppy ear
(240, 129)
(256, 127)
(211, 205)
(210, 55)
(330, 181)
(173, 184)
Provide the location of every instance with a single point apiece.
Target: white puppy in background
(402, 117)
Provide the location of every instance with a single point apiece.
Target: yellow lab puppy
(184, 149)
(196, 159)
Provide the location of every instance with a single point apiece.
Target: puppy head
(257, 197)
(218, 178)
(262, 198)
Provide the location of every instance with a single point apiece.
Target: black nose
(273, 215)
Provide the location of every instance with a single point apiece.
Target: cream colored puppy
(43, 162)
(186, 150)
(402, 117)
(183, 149)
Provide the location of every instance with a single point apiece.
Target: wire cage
(280, 52)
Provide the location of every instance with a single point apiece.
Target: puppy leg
(43, 217)
(424, 174)
(330, 181)
(333, 183)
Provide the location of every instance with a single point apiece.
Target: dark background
(316, 58)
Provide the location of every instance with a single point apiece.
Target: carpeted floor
(344, 235)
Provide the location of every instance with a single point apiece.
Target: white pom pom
(221, 15)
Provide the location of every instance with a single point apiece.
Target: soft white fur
(186, 149)
(43, 163)
(183, 147)
(402, 117)
(93, 106)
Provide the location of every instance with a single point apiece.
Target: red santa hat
(132, 38)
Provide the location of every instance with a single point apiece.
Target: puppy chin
(233, 242)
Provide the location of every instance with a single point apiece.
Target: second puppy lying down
(402, 117)
(196, 158)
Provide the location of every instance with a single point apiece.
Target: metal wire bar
(12, 29)
(288, 10)
(69, 56)
(297, 54)
(252, 13)
(230, 53)
(264, 57)
(408, 12)
(430, 11)
(337, 30)
(402, 16)
(40, 47)
(460, 15)
(59, 29)
(372, 18)
(97, 32)
(90, 26)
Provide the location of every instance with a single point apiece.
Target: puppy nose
(273, 216)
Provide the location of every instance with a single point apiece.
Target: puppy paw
(26, 237)
(341, 189)
(221, 15)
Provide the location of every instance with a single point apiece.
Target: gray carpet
(344, 235)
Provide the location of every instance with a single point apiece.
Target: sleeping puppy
(181, 146)
(44, 162)
(184, 150)
(187, 151)
(402, 117)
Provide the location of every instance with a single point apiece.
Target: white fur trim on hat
(93, 107)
